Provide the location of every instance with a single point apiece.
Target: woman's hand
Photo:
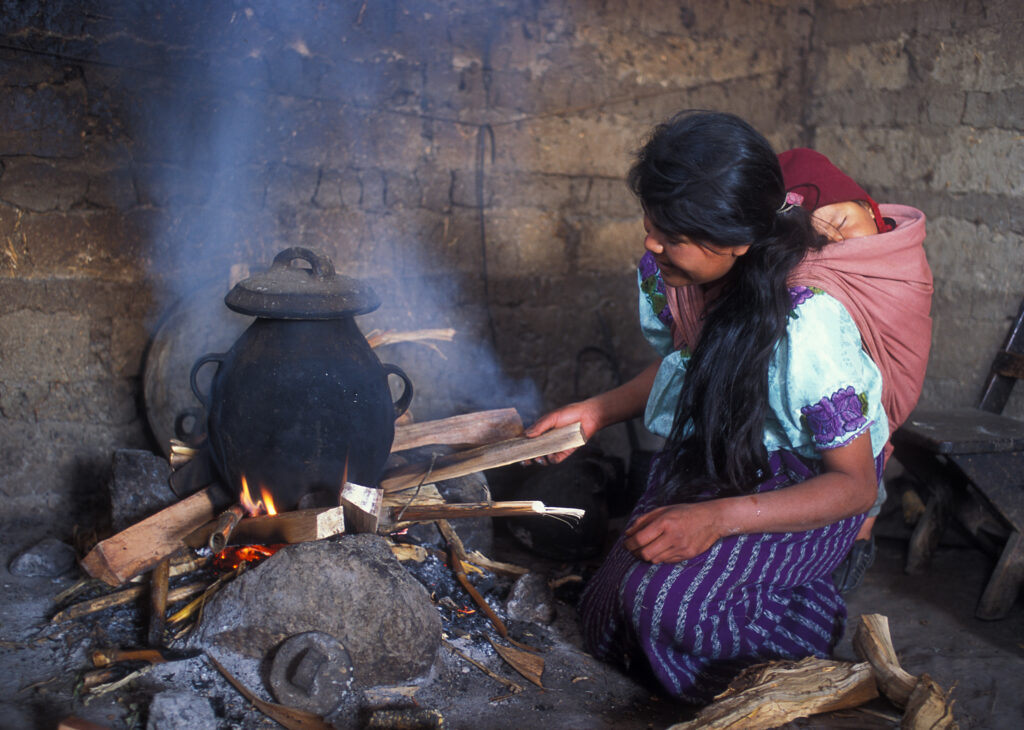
(674, 533)
(587, 413)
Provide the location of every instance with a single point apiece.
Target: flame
(245, 499)
(267, 501)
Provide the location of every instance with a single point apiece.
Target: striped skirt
(748, 599)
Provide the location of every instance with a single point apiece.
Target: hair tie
(793, 200)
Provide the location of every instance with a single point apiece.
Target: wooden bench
(981, 452)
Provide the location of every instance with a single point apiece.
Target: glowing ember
(231, 557)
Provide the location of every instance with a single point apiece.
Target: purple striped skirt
(748, 599)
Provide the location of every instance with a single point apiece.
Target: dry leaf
(529, 665)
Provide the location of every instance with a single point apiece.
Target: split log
(376, 338)
(873, 643)
(141, 546)
(451, 510)
(470, 429)
(362, 506)
(771, 695)
(303, 525)
(490, 456)
(927, 706)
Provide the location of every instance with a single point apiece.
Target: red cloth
(884, 282)
(821, 183)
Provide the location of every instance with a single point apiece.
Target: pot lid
(289, 290)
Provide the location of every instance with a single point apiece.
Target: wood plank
(141, 546)
(469, 429)
(454, 510)
(490, 456)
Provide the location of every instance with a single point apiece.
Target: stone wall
(923, 102)
(465, 158)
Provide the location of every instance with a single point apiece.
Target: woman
(773, 415)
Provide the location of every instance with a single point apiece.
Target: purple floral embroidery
(798, 295)
(652, 285)
(830, 418)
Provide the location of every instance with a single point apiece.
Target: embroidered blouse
(824, 389)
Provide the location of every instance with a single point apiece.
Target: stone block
(611, 196)
(46, 347)
(290, 185)
(878, 65)
(611, 246)
(41, 185)
(43, 121)
(128, 341)
(48, 558)
(525, 241)
(1004, 108)
(984, 59)
(138, 486)
(600, 145)
(338, 189)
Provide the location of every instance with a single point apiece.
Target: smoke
(264, 125)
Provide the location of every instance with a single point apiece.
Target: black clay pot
(300, 402)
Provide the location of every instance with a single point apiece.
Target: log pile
(771, 695)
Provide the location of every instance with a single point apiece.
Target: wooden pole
(158, 587)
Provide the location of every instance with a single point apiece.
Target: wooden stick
(376, 338)
(451, 510)
(158, 590)
(121, 597)
(144, 544)
(460, 575)
(303, 525)
(513, 686)
(486, 457)
(469, 429)
(226, 524)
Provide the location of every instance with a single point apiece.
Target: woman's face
(684, 262)
(840, 221)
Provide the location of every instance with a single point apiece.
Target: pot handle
(209, 357)
(402, 404)
(320, 266)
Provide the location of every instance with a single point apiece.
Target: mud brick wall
(464, 158)
(923, 102)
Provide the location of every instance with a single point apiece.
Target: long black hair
(713, 178)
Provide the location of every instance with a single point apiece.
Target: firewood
(470, 429)
(452, 510)
(226, 524)
(512, 686)
(120, 598)
(460, 575)
(107, 657)
(873, 644)
(771, 695)
(362, 506)
(303, 525)
(158, 589)
(928, 708)
(490, 456)
(141, 546)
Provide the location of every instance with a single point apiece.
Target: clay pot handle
(402, 404)
(320, 266)
(217, 357)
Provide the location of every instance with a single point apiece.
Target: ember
(231, 557)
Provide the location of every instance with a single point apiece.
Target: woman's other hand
(674, 533)
(586, 413)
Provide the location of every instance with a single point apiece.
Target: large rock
(350, 587)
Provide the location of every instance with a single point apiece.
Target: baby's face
(840, 221)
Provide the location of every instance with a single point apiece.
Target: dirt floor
(931, 619)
